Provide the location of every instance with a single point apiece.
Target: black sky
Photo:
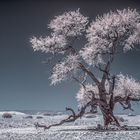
(24, 80)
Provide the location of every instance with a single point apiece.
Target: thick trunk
(108, 116)
(107, 108)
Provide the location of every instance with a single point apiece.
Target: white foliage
(92, 54)
(70, 23)
(102, 33)
(133, 39)
(85, 95)
(124, 86)
(114, 29)
(64, 68)
(127, 86)
(52, 44)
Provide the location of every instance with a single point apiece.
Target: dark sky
(24, 80)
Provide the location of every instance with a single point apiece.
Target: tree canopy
(105, 37)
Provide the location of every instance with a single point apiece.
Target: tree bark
(108, 116)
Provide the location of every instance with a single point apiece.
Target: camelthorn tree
(119, 30)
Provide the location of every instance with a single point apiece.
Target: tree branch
(125, 102)
(70, 118)
(126, 106)
(111, 58)
(107, 68)
(112, 86)
(92, 76)
(81, 83)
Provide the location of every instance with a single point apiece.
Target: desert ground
(21, 127)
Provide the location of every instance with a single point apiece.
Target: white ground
(21, 128)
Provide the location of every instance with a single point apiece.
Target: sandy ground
(21, 128)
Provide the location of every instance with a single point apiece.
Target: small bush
(39, 117)
(7, 115)
(130, 114)
(29, 117)
(46, 114)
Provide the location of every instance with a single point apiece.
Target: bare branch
(111, 89)
(102, 70)
(81, 83)
(111, 58)
(126, 106)
(125, 102)
(70, 118)
(107, 68)
(92, 76)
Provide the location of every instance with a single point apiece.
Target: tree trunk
(107, 108)
(108, 116)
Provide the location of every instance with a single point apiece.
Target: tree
(106, 36)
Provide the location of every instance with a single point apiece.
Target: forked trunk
(108, 116)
